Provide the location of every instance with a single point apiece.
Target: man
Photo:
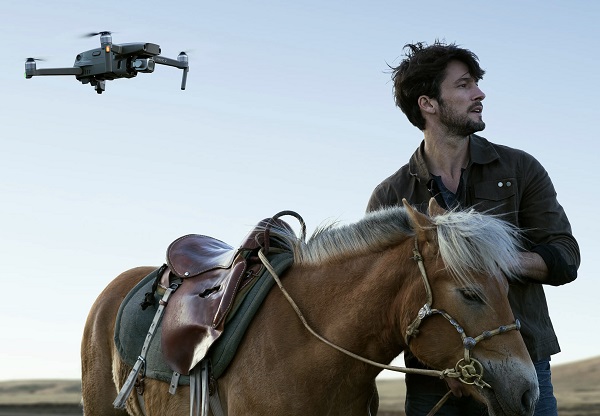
(437, 88)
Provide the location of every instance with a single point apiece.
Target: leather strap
(140, 364)
(215, 403)
(199, 402)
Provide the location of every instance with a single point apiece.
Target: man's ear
(427, 104)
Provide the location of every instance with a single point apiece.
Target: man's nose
(479, 95)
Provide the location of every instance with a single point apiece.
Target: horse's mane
(469, 242)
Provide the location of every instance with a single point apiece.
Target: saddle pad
(132, 325)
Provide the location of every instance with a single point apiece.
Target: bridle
(470, 370)
(467, 370)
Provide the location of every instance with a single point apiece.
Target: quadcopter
(112, 61)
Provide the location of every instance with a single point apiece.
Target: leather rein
(467, 370)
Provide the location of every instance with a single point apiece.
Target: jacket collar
(481, 152)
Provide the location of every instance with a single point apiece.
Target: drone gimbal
(111, 61)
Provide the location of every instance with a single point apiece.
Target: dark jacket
(511, 183)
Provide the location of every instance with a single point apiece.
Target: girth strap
(199, 390)
(215, 403)
(140, 364)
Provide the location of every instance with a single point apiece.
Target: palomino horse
(365, 287)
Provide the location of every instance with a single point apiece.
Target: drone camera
(144, 65)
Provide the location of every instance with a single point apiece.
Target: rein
(467, 370)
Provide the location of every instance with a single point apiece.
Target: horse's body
(359, 287)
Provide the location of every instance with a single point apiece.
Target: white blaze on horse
(397, 278)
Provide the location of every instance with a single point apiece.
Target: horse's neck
(349, 304)
(352, 301)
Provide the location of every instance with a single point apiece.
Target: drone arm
(52, 71)
(184, 78)
(181, 64)
(170, 62)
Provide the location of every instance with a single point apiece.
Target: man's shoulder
(398, 177)
(389, 191)
(502, 151)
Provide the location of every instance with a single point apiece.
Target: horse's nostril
(528, 401)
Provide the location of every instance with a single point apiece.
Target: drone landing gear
(99, 85)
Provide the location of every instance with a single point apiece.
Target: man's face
(460, 102)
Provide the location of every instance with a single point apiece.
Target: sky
(288, 106)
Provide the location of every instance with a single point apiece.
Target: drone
(112, 61)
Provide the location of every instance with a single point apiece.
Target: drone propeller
(31, 67)
(92, 34)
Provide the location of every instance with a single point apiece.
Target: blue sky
(288, 106)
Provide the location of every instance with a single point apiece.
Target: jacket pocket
(497, 197)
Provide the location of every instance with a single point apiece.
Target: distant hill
(577, 388)
(29, 392)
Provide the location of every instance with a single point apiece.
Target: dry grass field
(577, 388)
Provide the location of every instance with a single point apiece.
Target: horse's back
(97, 346)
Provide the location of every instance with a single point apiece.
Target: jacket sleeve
(545, 224)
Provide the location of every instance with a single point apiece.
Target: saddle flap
(195, 316)
(194, 254)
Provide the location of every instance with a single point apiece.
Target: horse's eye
(471, 295)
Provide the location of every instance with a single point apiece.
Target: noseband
(468, 369)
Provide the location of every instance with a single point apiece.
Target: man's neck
(446, 156)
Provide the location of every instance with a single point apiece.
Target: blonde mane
(469, 242)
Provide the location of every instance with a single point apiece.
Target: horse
(436, 283)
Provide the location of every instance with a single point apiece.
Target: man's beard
(457, 124)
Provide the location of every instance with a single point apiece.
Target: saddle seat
(211, 273)
(193, 254)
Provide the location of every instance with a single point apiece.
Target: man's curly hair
(422, 72)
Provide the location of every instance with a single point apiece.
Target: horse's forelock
(472, 243)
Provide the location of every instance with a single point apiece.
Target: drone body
(112, 61)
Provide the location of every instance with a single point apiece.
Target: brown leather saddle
(210, 273)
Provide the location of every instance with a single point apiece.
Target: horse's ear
(434, 208)
(418, 220)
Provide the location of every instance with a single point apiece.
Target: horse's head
(465, 323)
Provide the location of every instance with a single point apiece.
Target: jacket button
(508, 183)
(500, 184)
